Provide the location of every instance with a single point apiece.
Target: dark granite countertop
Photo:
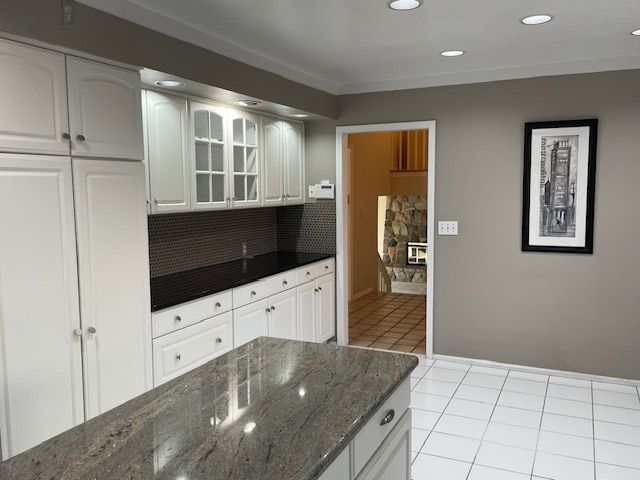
(271, 409)
(176, 288)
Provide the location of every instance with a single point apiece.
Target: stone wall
(405, 221)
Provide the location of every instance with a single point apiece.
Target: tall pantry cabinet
(75, 329)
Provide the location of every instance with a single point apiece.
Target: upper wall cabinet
(244, 162)
(33, 97)
(283, 162)
(105, 112)
(167, 128)
(210, 158)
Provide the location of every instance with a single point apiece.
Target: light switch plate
(448, 227)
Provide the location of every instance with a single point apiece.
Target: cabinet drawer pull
(267, 310)
(77, 332)
(308, 274)
(273, 308)
(284, 282)
(178, 357)
(315, 290)
(218, 340)
(218, 304)
(80, 137)
(388, 418)
(326, 267)
(319, 288)
(92, 330)
(66, 136)
(178, 318)
(253, 293)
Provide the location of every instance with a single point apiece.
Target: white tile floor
(480, 423)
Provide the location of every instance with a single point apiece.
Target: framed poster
(559, 186)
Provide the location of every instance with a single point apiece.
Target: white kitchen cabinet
(307, 318)
(105, 111)
(316, 310)
(273, 162)
(169, 165)
(244, 160)
(40, 364)
(283, 162)
(186, 349)
(209, 157)
(339, 468)
(283, 315)
(326, 308)
(250, 322)
(114, 281)
(293, 153)
(33, 117)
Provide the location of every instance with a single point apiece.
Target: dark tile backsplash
(184, 241)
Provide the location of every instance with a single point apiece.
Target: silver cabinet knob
(218, 304)
(80, 137)
(178, 318)
(77, 332)
(326, 267)
(218, 340)
(284, 282)
(178, 357)
(253, 293)
(91, 330)
(273, 309)
(267, 310)
(388, 418)
(156, 201)
(315, 290)
(319, 288)
(308, 274)
(66, 136)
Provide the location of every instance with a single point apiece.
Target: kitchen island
(271, 409)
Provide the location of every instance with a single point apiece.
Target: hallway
(390, 321)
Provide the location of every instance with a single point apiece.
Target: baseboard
(544, 371)
(362, 293)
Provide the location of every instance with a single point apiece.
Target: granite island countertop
(272, 409)
(176, 288)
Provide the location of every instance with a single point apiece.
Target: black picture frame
(547, 209)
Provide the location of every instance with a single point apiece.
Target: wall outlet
(244, 250)
(448, 227)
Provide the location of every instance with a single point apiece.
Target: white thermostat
(322, 190)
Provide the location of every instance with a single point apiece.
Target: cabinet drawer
(371, 436)
(315, 270)
(188, 348)
(174, 318)
(264, 288)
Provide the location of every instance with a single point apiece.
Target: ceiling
(352, 46)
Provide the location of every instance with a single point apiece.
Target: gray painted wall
(492, 301)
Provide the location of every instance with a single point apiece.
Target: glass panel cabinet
(209, 157)
(245, 163)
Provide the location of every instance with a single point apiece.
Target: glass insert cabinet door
(244, 163)
(210, 144)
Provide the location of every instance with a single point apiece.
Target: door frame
(343, 174)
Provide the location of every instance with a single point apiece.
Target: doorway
(393, 310)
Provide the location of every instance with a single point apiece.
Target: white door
(250, 322)
(105, 111)
(244, 164)
(209, 157)
(40, 364)
(293, 163)
(33, 100)
(167, 128)
(272, 168)
(283, 315)
(392, 461)
(307, 318)
(113, 263)
(326, 308)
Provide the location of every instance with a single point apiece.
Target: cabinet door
(209, 153)
(293, 147)
(168, 153)
(307, 320)
(33, 117)
(114, 281)
(272, 170)
(282, 318)
(105, 111)
(326, 308)
(250, 322)
(179, 352)
(244, 164)
(392, 461)
(40, 365)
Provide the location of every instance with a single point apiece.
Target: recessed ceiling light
(403, 5)
(248, 103)
(452, 53)
(636, 33)
(169, 83)
(538, 19)
(298, 115)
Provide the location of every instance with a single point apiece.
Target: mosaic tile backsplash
(184, 241)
